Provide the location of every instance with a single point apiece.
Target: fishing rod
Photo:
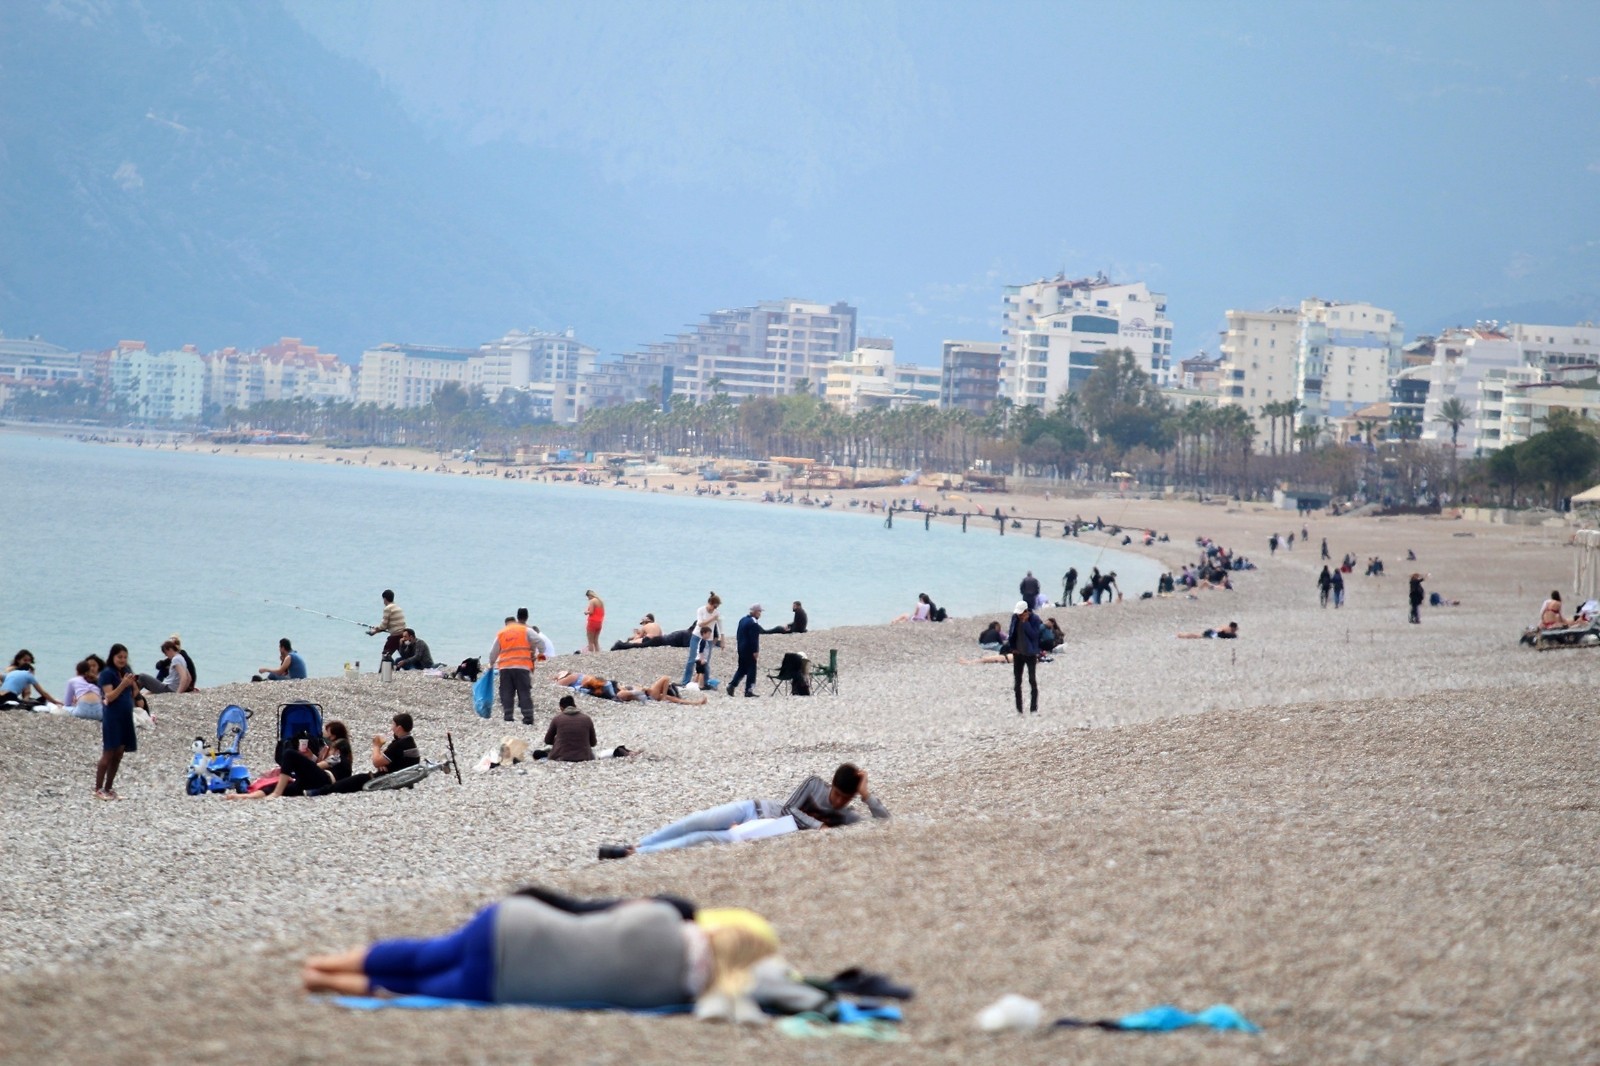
(321, 614)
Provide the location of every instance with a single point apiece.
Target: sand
(1376, 840)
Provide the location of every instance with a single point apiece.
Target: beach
(1373, 839)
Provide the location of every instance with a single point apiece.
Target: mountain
(189, 171)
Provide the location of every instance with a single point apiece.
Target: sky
(1438, 158)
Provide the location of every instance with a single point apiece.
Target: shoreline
(1357, 831)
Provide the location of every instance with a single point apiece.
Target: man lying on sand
(1227, 632)
(814, 805)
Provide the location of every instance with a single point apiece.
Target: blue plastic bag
(483, 693)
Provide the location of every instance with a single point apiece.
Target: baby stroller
(297, 722)
(219, 768)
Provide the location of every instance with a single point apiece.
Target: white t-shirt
(707, 615)
(547, 647)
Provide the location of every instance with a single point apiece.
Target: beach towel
(483, 693)
(1165, 1018)
(439, 1003)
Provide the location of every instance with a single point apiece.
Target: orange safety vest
(516, 650)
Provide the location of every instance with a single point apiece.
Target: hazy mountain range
(170, 171)
(359, 171)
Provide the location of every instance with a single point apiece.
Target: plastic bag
(483, 693)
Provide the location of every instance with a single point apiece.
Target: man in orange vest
(512, 655)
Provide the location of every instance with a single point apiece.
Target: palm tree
(1307, 436)
(1454, 414)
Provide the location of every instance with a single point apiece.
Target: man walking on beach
(1026, 633)
(1069, 581)
(512, 655)
(394, 624)
(747, 640)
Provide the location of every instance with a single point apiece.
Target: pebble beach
(1373, 839)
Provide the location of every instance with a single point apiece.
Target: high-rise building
(970, 375)
(765, 350)
(165, 386)
(30, 363)
(524, 358)
(1507, 378)
(1331, 358)
(1348, 353)
(1260, 361)
(1055, 330)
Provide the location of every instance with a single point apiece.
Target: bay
(106, 544)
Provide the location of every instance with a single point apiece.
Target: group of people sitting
(175, 672)
(319, 766)
(648, 633)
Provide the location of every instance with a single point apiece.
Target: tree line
(1117, 420)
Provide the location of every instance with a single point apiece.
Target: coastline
(1356, 831)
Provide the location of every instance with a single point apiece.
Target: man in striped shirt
(394, 624)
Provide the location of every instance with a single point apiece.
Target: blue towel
(437, 1003)
(1166, 1018)
(847, 1013)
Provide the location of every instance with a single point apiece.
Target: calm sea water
(109, 544)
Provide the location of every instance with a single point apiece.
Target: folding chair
(826, 675)
(791, 668)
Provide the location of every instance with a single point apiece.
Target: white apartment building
(764, 350)
(869, 378)
(1260, 359)
(1334, 358)
(524, 358)
(1505, 376)
(165, 386)
(407, 375)
(287, 370)
(1055, 329)
(1348, 353)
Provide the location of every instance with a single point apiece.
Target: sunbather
(529, 949)
(1550, 616)
(1227, 632)
(814, 805)
(661, 689)
(1001, 656)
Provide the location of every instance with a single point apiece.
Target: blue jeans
(694, 650)
(703, 827)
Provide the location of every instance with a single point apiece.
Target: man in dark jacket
(1030, 589)
(748, 643)
(1024, 638)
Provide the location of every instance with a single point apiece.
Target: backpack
(937, 614)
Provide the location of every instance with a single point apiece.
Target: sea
(106, 544)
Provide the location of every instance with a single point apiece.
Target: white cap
(1022, 605)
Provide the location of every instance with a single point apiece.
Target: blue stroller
(219, 768)
(297, 722)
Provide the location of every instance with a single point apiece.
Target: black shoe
(527, 721)
(509, 718)
(614, 851)
(749, 695)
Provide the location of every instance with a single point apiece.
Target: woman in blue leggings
(541, 948)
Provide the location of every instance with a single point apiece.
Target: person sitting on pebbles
(572, 738)
(1227, 632)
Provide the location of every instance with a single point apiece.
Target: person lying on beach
(530, 949)
(19, 681)
(300, 770)
(814, 805)
(1550, 616)
(1001, 656)
(661, 689)
(1227, 632)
